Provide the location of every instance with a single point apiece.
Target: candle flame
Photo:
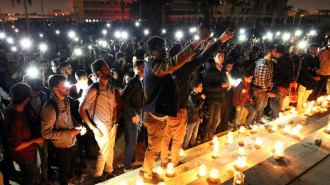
(328, 127)
(254, 128)
(215, 139)
(170, 167)
(259, 141)
(214, 173)
(242, 129)
(139, 182)
(279, 149)
(287, 129)
(241, 151)
(160, 170)
(216, 149)
(241, 161)
(305, 105)
(181, 153)
(202, 170)
(274, 128)
(230, 137)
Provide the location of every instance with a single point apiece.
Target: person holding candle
(242, 99)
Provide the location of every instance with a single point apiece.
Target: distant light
(78, 51)
(104, 32)
(193, 30)
(32, 71)
(163, 31)
(196, 37)
(108, 25)
(76, 39)
(286, 36)
(146, 31)
(137, 24)
(10, 40)
(242, 38)
(269, 36)
(14, 48)
(41, 35)
(298, 33)
(124, 35)
(312, 32)
(43, 47)
(71, 34)
(16, 30)
(103, 43)
(2, 35)
(117, 34)
(278, 33)
(179, 35)
(242, 31)
(57, 32)
(302, 44)
(89, 47)
(26, 43)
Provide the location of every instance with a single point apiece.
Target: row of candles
(312, 107)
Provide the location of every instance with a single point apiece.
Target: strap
(53, 103)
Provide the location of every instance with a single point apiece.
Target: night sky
(6, 6)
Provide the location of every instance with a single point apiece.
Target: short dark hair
(218, 51)
(63, 65)
(80, 73)
(269, 48)
(154, 42)
(120, 55)
(138, 63)
(313, 46)
(175, 49)
(194, 83)
(97, 66)
(280, 49)
(19, 92)
(247, 74)
(230, 60)
(55, 80)
(140, 43)
(35, 84)
(15, 68)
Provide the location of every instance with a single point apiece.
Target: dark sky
(6, 6)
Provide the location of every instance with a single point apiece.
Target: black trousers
(66, 159)
(319, 87)
(29, 171)
(226, 109)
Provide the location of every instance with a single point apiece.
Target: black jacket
(308, 72)
(284, 72)
(132, 98)
(195, 111)
(212, 84)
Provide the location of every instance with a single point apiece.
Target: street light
(179, 35)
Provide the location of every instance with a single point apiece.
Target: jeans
(156, 132)
(131, 131)
(303, 95)
(44, 159)
(214, 109)
(191, 135)
(106, 153)
(275, 105)
(261, 99)
(29, 171)
(319, 87)
(175, 130)
(66, 159)
(239, 116)
(226, 109)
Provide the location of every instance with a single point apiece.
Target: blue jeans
(238, 115)
(29, 171)
(191, 135)
(132, 132)
(275, 105)
(261, 100)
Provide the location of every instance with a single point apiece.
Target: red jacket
(241, 94)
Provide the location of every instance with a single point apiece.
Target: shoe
(99, 179)
(127, 170)
(248, 127)
(154, 175)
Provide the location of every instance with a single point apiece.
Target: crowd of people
(173, 95)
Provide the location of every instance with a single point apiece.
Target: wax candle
(258, 143)
(202, 170)
(170, 170)
(241, 151)
(240, 163)
(214, 175)
(139, 182)
(279, 151)
(254, 129)
(239, 179)
(216, 148)
(181, 153)
(215, 140)
(160, 170)
(287, 130)
(230, 137)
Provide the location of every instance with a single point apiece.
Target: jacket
(240, 94)
(324, 57)
(212, 84)
(195, 111)
(132, 98)
(309, 67)
(284, 72)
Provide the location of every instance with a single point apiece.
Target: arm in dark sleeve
(127, 94)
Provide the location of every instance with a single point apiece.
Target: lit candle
(274, 128)
(308, 111)
(319, 100)
(139, 182)
(215, 140)
(230, 137)
(314, 109)
(287, 130)
(279, 151)
(241, 151)
(242, 130)
(240, 141)
(328, 98)
(215, 153)
(258, 143)
(240, 163)
(305, 105)
(293, 109)
(239, 179)
(202, 170)
(160, 170)
(325, 104)
(181, 153)
(170, 170)
(295, 132)
(328, 128)
(214, 175)
(254, 129)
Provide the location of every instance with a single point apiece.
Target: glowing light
(10, 40)
(146, 32)
(202, 170)
(16, 30)
(179, 35)
(214, 175)
(43, 47)
(78, 51)
(14, 49)
(279, 151)
(269, 36)
(242, 129)
(312, 32)
(163, 31)
(170, 170)
(278, 33)
(241, 151)
(160, 170)
(216, 148)
(258, 143)
(67, 85)
(32, 72)
(230, 137)
(241, 162)
(287, 130)
(286, 36)
(196, 37)
(302, 44)
(242, 38)
(124, 35)
(193, 30)
(254, 128)
(298, 33)
(26, 43)
(72, 34)
(76, 39)
(242, 31)
(181, 153)
(139, 182)
(41, 35)
(57, 32)
(104, 32)
(2, 35)
(117, 34)
(137, 24)
(108, 25)
(274, 128)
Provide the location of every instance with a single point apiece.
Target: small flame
(170, 167)
(241, 151)
(202, 170)
(254, 128)
(279, 151)
(160, 170)
(181, 153)
(230, 137)
(214, 173)
(258, 141)
(242, 129)
(241, 161)
(287, 129)
(139, 182)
